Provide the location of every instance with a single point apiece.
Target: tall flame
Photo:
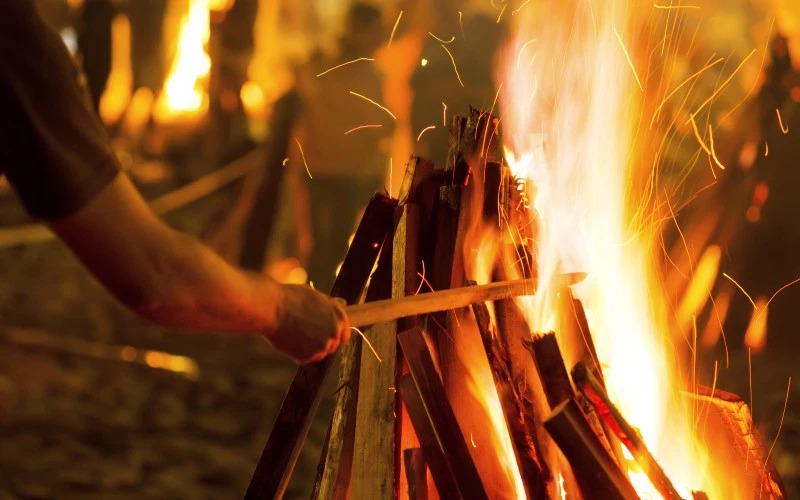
(184, 91)
(570, 103)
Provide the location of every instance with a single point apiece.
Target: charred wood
(517, 414)
(596, 394)
(596, 472)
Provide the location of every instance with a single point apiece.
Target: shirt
(53, 147)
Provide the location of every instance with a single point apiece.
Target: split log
(439, 417)
(574, 329)
(517, 414)
(472, 137)
(597, 474)
(334, 470)
(595, 393)
(258, 229)
(729, 430)
(275, 467)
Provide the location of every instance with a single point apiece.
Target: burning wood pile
(469, 402)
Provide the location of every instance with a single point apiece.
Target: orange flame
(570, 104)
(184, 92)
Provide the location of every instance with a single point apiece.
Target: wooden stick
(387, 310)
(275, 467)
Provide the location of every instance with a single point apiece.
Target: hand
(310, 325)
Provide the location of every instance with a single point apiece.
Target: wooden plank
(333, 472)
(440, 415)
(377, 402)
(595, 470)
(435, 458)
(275, 467)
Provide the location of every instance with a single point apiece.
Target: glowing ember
(184, 92)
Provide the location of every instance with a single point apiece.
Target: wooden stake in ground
(279, 457)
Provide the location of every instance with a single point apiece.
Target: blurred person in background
(333, 165)
(332, 172)
(57, 158)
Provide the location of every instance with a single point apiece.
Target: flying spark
(369, 344)
(303, 155)
(521, 49)
(672, 7)
(396, 23)
(345, 64)
(375, 103)
(425, 130)
(785, 130)
(452, 38)
(713, 153)
(630, 62)
(725, 83)
(743, 291)
(372, 125)
(780, 426)
(454, 64)
(501, 13)
(520, 7)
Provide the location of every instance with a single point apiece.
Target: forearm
(191, 287)
(164, 275)
(172, 279)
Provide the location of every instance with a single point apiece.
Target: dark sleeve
(53, 148)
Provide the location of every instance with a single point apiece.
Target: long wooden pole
(381, 311)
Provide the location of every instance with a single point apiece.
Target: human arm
(57, 157)
(174, 280)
